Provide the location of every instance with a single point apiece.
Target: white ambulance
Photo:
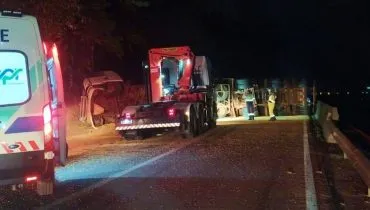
(32, 109)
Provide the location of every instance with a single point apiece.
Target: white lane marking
(311, 201)
(116, 176)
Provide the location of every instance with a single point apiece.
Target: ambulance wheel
(45, 186)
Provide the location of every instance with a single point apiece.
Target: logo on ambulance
(10, 76)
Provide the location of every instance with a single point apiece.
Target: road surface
(250, 166)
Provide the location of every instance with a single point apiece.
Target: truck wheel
(202, 119)
(132, 135)
(212, 116)
(193, 128)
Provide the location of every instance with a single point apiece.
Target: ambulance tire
(46, 184)
(45, 187)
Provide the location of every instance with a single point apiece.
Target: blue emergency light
(11, 13)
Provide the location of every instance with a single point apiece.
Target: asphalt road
(250, 166)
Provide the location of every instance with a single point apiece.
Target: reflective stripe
(158, 125)
(26, 124)
(23, 146)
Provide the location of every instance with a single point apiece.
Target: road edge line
(311, 200)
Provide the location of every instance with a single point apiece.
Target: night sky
(324, 40)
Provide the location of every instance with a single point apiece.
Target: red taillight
(127, 115)
(171, 112)
(47, 114)
(31, 178)
(55, 51)
(48, 129)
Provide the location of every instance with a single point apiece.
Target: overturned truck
(292, 97)
(100, 98)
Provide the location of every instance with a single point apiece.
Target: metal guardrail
(326, 115)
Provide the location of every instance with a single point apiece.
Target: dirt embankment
(81, 134)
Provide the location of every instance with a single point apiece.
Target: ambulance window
(52, 80)
(14, 78)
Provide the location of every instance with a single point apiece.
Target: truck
(32, 108)
(180, 96)
(106, 86)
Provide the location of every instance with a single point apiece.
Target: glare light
(188, 61)
(31, 178)
(47, 114)
(45, 48)
(163, 76)
(128, 115)
(55, 51)
(166, 91)
(49, 155)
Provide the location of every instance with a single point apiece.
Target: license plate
(126, 122)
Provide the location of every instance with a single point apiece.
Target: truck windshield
(14, 78)
(171, 72)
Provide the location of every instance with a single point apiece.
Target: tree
(77, 26)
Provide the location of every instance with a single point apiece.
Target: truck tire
(212, 116)
(202, 119)
(193, 127)
(137, 136)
